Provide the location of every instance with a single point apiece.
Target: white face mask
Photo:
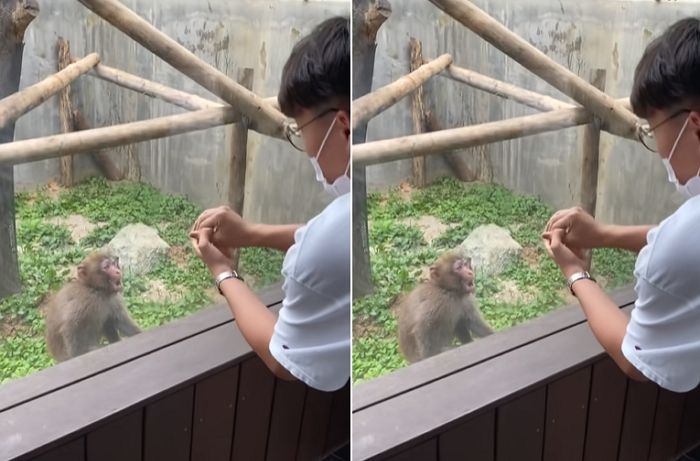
(692, 187)
(341, 185)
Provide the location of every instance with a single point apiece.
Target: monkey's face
(463, 269)
(112, 273)
(101, 272)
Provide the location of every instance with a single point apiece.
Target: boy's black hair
(318, 68)
(669, 70)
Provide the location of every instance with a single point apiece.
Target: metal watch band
(225, 276)
(576, 277)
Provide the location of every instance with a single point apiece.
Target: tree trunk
(15, 16)
(418, 110)
(65, 109)
(367, 17)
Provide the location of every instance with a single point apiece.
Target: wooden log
(103, 161)
(238, 161)
(454, 160)
(470, 136)
(367, 18)
(263, 117)
(18, 104)
(418, 110)
(32, 150)
(368, 106)
(157, 90)
(153, 89)
(65, 110)
(505, 90)
(15, 17)
(617, 119)
(590, 158)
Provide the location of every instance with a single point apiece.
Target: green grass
(399, 252)
(47, 252)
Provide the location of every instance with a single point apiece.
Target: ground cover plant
(57, 228)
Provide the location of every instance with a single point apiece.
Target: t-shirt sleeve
(312, 336)
(661, 341)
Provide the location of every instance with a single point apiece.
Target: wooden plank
(255, 391)
(388, 427)
(339, 425)
(168, 427)
(667, 426)
(456, 360)
(118, 440)
(520, 427)
(314, 424)
(72, 451)
(66, 373)
(370, 105)
(620, 120)
(238, 161)
(214, 413)
(263, 117)
(426, 451)
(474, 439)
(15, 16)
(418, 110)
(638, 420)
(285, 421)
(405, 147)
(367, 18)
(82, 405)
(567, 411)
(605, 411)
(65, 109)
(14, 106)
(690, 425)
(590, 154)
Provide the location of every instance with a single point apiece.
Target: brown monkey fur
(88, 309)
(440, 309)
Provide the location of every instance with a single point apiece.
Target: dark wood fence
(191, 390)
(544, 390)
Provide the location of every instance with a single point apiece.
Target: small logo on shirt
(637, 348)
(284, 346)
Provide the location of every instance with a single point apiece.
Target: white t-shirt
(312, 334)
(663, 335)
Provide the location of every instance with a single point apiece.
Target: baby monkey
(440, 309)
(88, 309)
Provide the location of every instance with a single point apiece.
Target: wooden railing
(190, 390)
(543, 390)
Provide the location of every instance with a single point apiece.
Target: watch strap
(225, 276)
(584, 275)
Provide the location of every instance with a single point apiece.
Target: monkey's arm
(125, 324)
(111, 333)
(478, 325)
(279, 237)
(255, 321)
(608, 323)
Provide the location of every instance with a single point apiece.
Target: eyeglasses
(646, 132)
(294, 131)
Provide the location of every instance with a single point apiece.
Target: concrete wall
(581, 35)
(229, 35)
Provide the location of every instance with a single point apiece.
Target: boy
(310, 339)
(660, 340)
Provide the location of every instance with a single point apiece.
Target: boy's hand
(569, 260)
(580, 229)
(215, 259)
(229, 230)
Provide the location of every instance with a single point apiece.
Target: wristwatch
(576, 277)
(225, 276)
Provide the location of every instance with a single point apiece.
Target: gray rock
(491, 248)
(138, 247)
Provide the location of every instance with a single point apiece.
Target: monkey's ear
(81, 270)
(434, 271)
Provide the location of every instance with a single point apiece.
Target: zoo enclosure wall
(581, 36)
(228, 35)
